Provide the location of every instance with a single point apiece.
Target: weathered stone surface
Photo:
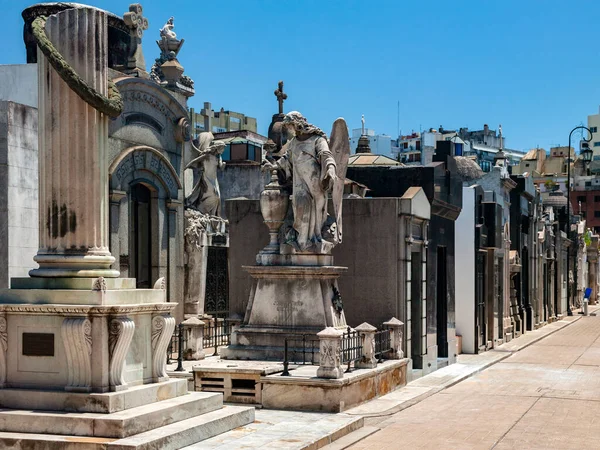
(301, 392)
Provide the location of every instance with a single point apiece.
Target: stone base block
(109, 402)
(268, 344)
(313, 394)
(286, 301)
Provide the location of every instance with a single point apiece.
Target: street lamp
(587, 155)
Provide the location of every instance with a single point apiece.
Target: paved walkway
(545, 396)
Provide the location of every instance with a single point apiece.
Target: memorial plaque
(38, 344)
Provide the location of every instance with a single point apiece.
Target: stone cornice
(92, 310)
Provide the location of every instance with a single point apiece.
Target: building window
(596, 214)
(597, 198)
(594, 129)
(588, 183)
(418, 145)
(405, 145)
(596, 144)
(581, 199)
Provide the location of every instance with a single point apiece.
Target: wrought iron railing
(383, 344)
(299, 350)
(351, 348)
(216, 333)
(176, 347)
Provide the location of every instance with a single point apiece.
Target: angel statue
(315, 167)
(206, 196)
(167, 29)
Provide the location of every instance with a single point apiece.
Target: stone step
(187, 432)
(170, 437)
(108, 402)
(117, 425)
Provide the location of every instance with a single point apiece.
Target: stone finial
(395, 327)
(367, 333)
(330, 346)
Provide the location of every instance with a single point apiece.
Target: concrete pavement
(542, 394)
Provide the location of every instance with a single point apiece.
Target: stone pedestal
(367, 334)
(330, 344)
(286, 301)
(395, 326)
(194, 332)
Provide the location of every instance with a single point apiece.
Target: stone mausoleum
(148, 151)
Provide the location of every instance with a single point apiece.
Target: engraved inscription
(38, 344)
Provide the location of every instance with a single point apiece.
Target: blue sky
(531, 65)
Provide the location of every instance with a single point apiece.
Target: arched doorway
(146, 222)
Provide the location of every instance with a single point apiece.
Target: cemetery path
(546, 396)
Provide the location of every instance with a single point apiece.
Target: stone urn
(273, 206)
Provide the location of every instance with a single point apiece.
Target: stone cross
(137, 24)
(208, 114)
(281, 96)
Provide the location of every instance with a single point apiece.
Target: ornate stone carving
(162, 330)
(136, 24)
(395, 327)
(206, 196)
(77, 340)
(3, 348)
(330, 361)
(121, 332)
(311, 229)
(99, 285)
(161, 284)
(87, 310)
(182, 130)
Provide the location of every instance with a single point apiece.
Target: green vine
(111, 106)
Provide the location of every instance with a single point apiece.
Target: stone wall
(18, 190)
(241, 180)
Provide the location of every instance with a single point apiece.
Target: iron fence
(351, 348)
(216, 333)
(383, 344)
(176, 347)
(300, 350)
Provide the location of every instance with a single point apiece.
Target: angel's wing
(204, 141)
(339, 144)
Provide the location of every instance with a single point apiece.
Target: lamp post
(587, 155)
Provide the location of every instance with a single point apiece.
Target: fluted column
(73, 138)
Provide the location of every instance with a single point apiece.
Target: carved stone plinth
(285, 301)
(396, 328)
(330, 346)
(367, 334)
